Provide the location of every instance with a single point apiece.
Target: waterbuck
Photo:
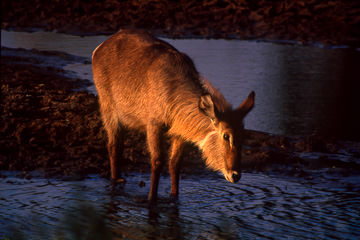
(145, 84)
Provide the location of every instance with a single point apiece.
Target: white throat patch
(203, 142)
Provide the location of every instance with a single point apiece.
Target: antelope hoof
(118, 181)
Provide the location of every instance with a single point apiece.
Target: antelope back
(140, 78)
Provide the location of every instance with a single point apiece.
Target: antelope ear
(247, 105)
(208, 107)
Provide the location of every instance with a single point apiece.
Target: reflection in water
(299, 90)
(321, 82)
(259, 206)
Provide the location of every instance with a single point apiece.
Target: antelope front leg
(176, 149)
(156, 155)
(115, 149)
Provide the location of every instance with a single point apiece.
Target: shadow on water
(324, 84)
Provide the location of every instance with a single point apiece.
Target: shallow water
(259, 206)
(299, 90)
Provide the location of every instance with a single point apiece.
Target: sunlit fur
(144, 83)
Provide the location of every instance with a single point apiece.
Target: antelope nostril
(236, 177)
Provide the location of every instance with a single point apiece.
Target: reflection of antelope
(144, 84)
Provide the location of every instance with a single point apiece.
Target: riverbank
(47, 125)
(304, 22)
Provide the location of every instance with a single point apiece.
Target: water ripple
(259, 206)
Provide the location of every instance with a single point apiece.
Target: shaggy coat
(145, 84)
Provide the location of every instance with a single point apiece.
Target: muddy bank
(46, 125)
(330, 22)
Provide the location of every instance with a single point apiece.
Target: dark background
(330, 22)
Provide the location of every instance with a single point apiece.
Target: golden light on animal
(145, 84)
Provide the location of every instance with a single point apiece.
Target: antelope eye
(226, 137)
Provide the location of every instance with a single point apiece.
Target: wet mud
(330, 22)
(48, 124)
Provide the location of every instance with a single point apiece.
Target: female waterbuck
(145, 84)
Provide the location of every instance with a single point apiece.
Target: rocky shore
(46, 125)
(305, 22)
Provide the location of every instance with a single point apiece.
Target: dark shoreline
(47, 125)
(303, 22)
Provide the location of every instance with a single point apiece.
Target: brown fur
(145, 84)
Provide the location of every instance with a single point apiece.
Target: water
(259, 206)
(299, 90)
